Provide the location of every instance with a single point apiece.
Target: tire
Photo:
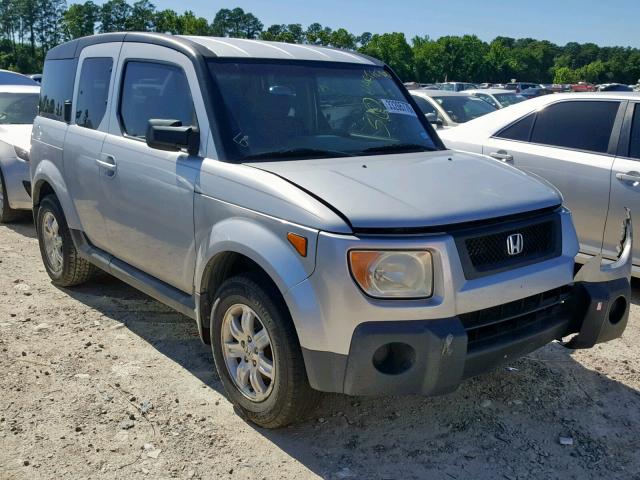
(7, 214)
(289, 397)
(71, 269)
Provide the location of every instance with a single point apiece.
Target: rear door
(148, 197)
(570, 144)
(625, 185)
(87, 131)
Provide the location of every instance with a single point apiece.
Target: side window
(634, 141)
(154, 91)
(488, 99)
(58, 78)
(519, 130)
(581, 125)
(93, 91)
(424, 105)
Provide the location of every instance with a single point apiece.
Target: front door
(149, 193)
(625, 185)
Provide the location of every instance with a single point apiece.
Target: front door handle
(631, 177)
(108, 162)
(502, 155)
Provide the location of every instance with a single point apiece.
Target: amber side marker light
(299, 243)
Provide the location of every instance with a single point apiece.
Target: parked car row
(297, 204)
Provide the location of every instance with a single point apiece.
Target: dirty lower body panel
(432, 357)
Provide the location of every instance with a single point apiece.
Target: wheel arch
(240, 245)
(47, 179)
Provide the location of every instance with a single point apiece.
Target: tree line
(28, 28)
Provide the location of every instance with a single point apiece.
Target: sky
(560, 21)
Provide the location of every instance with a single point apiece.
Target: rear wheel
(257, 354)
(59, 254)
(7, 214)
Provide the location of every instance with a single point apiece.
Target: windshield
(464, 108)
(507, 99)
(18, 108)
(10, 78)
(302, 110)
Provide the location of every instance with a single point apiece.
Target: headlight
(393, 274)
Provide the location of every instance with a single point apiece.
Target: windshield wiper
(298, 153)
(399, 148)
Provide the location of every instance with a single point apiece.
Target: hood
(417, 189)
(18, 135)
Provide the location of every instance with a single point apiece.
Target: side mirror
(434, 120)
(170, 135)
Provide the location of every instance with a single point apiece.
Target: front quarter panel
(223, 227)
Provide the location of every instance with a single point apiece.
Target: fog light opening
(394, 358)
(617, 310)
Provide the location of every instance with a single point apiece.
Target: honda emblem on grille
(515, 243)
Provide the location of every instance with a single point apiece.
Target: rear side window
(154, 91)
(93, 91)
(634, 144)
(58, 78)
(579, 125)
(518, 131)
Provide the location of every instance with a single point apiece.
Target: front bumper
(432, 357)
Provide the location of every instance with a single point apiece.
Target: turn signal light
(299, 243)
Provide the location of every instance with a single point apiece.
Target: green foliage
(28, 28)
(393, 49)
(564, 75)
(79, 20)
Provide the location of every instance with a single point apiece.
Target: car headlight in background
(393, 273)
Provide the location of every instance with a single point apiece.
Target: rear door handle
(108, 162)
(502, 155)
(633, 177)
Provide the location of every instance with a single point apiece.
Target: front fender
(48, 172)
(222, 227)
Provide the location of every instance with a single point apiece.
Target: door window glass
(634, 141)
(488, 99)
(424, 105)
(579, 125)
(93, 91)
(154, 91)
(519, 130)
(57, 87)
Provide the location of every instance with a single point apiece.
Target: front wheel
(257, 353)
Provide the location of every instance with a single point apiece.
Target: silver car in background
(448, 109)
(497, 97)
(18, 108)
(586, 144)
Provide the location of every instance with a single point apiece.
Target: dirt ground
(103, 382)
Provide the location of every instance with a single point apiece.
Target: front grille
(491, 325)
(485, 252)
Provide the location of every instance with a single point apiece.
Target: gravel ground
(103, 382)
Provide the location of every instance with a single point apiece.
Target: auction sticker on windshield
(397, 106)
